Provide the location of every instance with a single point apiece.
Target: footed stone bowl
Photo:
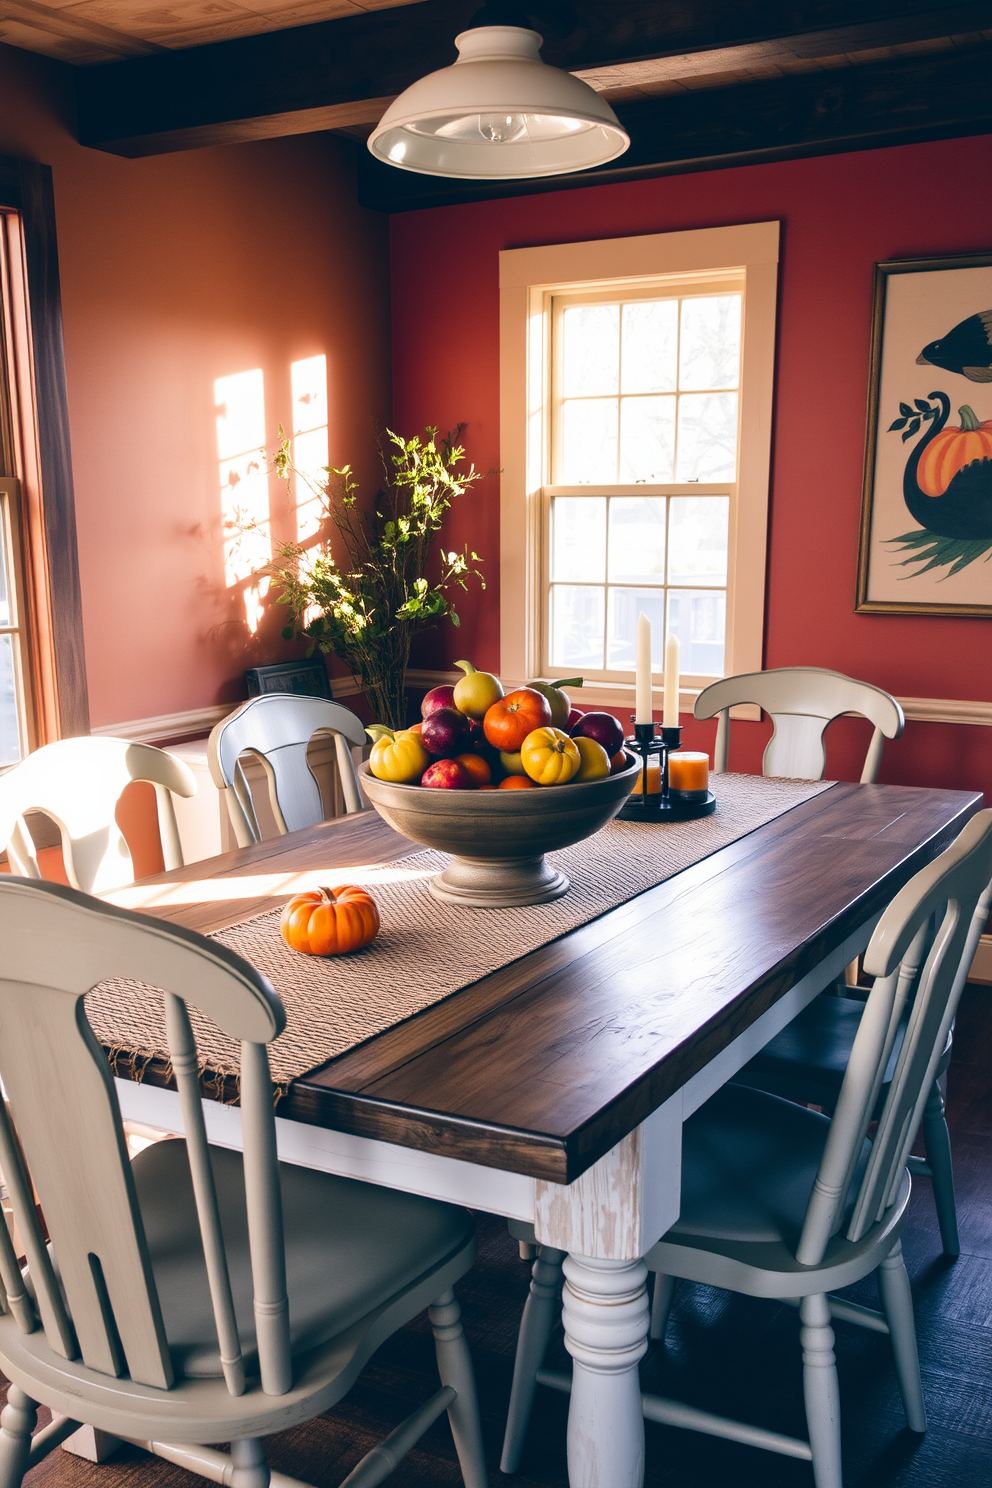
(499, 838)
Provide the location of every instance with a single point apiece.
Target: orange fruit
(517, 782)
(477, 768)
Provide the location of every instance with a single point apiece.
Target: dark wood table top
(542, 1066)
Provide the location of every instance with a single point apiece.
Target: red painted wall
(178, 270)
(840, 215)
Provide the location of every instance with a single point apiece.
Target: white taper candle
(670, 716)
(642, 699)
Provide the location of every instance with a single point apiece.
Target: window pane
(697, 540)
(4, 594)
(578, 538)
(699, 619)
(710, 350)
(647, 439)
(10, 739)
(650, 346)
(625, 606)
(576, 626)
(590, 349)
(707, 437)
(637, 539)
(589, 442)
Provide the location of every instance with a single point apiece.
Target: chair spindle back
(65, 1120)
(77, 783)
(277, 729)
(802, 702)
(957, 885)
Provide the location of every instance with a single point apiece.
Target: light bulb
(502, 129)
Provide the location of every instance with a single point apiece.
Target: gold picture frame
(943, 565)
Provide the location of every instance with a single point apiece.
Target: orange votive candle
(688, 770)
(654, 781)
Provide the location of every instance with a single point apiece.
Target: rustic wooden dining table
(553, 1091)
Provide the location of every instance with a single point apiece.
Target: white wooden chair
(77, 783)
(276, 729)
(196, 1294)
(801, 702)
(781, 1202)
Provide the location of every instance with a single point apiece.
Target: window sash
(617, 675)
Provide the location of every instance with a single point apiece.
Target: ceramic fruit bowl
(499, 838)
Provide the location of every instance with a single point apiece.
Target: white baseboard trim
(166, 725)
(981, 967)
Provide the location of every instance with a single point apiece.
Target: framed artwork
(926, 509)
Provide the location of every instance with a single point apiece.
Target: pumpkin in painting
(951, 450)
(330, 922)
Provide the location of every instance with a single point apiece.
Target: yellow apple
(594, 762)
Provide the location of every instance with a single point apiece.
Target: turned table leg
(606, 1317)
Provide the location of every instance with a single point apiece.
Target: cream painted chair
(801, 702)
(77, 783)
(781, 1202)
(276, 729)
(196, 1294)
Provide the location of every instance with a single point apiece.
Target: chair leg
(250, 1470)
(17, 1421)
(536, 1326)
(821, 1391)
(897, 1300)
(938, 1145)
(661, 1304)
(454, 1363)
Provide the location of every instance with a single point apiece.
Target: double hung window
(636, 410)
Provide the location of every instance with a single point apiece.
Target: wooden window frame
(529, 280)
(54, 665)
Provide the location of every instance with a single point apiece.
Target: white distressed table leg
(606, 1317)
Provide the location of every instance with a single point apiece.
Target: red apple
(438, 697)
(602, 727)
(572, 721)
(446, 774)
(446, 732)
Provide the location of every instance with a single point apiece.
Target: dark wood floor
(725, 1353)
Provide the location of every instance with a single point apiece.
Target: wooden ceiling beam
(892, 103)
(342, 72)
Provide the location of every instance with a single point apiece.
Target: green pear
(476, 692)
(561, 703)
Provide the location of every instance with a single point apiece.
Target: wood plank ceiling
(86, 32)
(697, 83)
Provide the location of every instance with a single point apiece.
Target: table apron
(616, 1210)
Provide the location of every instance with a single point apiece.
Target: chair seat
(350, 1247)
(808, 1059)
(749, 1161)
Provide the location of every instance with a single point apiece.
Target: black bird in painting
(966, 349)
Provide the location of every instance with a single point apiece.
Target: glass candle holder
(688, 774)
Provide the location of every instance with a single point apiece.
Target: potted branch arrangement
(366, 603)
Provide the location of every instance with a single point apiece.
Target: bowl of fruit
(498, 780)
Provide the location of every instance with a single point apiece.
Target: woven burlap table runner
(427, 950)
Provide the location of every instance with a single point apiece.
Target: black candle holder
(663, 805)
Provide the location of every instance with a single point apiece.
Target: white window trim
(529, 277)
(10, 525)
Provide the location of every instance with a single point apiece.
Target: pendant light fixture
(498, 113)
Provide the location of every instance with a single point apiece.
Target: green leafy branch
(387, 586)
(912, 419)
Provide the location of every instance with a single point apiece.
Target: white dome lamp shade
(498, 113)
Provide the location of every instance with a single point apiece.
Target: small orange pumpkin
(951, 450)
(329, 922)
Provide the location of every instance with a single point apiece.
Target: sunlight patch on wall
(244, 485)
(309, 383)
